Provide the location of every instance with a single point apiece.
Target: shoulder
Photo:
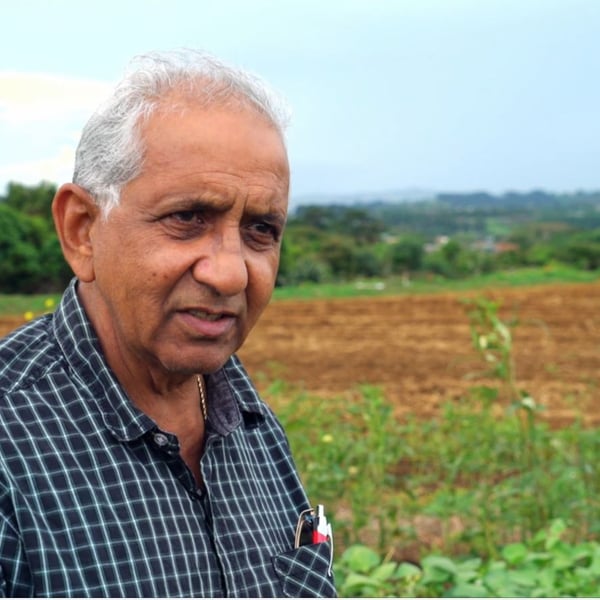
(26, 353)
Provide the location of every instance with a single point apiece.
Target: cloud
(55, 169)
(36, 97)
(50, 110)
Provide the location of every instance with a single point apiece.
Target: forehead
(181, 124)
(228, 151)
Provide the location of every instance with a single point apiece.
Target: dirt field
(418, 348)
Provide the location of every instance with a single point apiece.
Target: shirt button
(160, 439)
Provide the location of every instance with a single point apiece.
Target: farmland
(418, 347)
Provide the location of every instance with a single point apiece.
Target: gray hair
(110, 152)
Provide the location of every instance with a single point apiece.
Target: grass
(397, 285)
(19, 304)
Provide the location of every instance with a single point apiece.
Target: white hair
(110, 152)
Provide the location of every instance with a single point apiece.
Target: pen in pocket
(321, 529)
(314, 528)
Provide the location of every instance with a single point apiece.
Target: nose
(222, 263)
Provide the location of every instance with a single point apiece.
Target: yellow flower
(327, 438)
(28, 315)
(49, 302)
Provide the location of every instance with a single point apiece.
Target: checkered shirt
(95, 500)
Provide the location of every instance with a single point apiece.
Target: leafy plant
(548, 566)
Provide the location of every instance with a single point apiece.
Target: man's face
(186, 264)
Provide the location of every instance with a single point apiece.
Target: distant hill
(389, 196)
(478, 213)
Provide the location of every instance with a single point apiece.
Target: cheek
(261, 281)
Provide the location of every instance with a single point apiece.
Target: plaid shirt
(96, 501)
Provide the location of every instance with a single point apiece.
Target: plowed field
(418, 349)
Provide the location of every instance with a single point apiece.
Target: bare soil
(418, 348)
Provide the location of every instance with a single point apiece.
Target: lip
(207, 323)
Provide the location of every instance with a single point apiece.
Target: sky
(386, 95)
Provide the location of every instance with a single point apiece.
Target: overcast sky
(446, 95)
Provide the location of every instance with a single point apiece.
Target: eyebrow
(222, 205)
(195, 203)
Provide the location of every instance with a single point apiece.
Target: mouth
(208, 324)
(207, 316)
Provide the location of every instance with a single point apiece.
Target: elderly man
(136, 458)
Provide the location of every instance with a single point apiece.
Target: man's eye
(266, 230)
(262, 235)
(185, 223)
(188, 216)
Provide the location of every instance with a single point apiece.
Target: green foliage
(21, 239)
(335, 243)
(545, 567)
(492, 339)
(502, 476)
(358, 224)
(31, 200)
(456, 260)
(406, 253)
(348, 456)
(582, 250)
(30, 255)
(539, 228)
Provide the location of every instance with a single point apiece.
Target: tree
(30, 256)
(407, 254)
(31, 200)
(20, 243)
(340, 254)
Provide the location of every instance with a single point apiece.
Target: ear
(75, 212)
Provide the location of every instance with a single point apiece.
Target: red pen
(321, 528)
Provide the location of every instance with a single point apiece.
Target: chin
(196, 363)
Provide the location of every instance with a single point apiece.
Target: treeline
(31, 260)
(451, 235)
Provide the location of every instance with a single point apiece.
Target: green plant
(492, 338)
(548, 566)
(345, 448)
(465, 471)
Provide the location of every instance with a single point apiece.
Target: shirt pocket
(305, 571)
